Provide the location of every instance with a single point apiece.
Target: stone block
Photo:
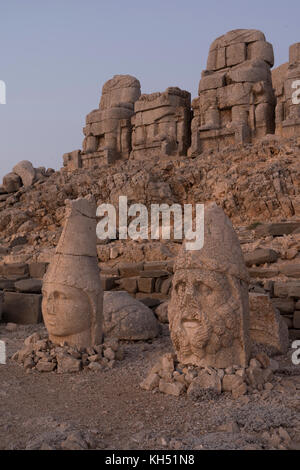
(152, 273)
(294, 54)
(11, 183)
(261, 256)
(284, 305)
(30, 286)
(291, 270)
(210, 82)
(263, 273)
(151, 382)
(235, 54)
(37, 270)
(261, 50)
(155, 266)
(130, 269)
(166, 286)
(294, 335)
(26, 172)
(267, 327)
(296, 320)
(15, 269)
(146, 284)
(277, 229)
(287, 289)
(174, 389)
(108, 282)
(24, 309)
(129, 284)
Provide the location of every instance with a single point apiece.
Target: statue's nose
(189, 292)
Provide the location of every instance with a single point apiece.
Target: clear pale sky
(56, 54)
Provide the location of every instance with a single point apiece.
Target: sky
(56, 55)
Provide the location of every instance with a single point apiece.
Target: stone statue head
(209, 307)
(72, 294)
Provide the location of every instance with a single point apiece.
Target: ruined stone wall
(108, 129)
(236, 101)
(161, 124)
(236, 104)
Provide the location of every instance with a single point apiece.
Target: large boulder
(26, 172)
(128, 319)
(11, 182)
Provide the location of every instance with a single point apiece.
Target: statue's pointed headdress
(75, 262)
(221, 251)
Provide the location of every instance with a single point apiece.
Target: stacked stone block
(236, 101)
(161, 124)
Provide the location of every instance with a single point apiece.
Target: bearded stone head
(209, 307)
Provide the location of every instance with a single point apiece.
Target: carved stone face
(205, 317)
(66, 310)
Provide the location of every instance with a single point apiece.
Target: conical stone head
(72, 293)
(209, 306)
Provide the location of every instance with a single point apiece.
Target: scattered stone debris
(173, 378)
(42, 355)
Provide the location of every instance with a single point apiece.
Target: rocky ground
(107, 409)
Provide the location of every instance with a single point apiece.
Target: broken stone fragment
(128, 319)
(175, 389)
(26, 172)
(267, 326)
(67, 364)
(205, 382)
(11, 182)
(151, 382)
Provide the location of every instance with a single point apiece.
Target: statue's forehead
(50, 287)
(199, 274)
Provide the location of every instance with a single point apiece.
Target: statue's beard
(217, 329)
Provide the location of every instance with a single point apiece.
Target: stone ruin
(287, 113)
(236, 104)
(236, 101)
(161, 124)
(108, 129)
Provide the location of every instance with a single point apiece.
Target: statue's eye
(202, 288)
(59, 295)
